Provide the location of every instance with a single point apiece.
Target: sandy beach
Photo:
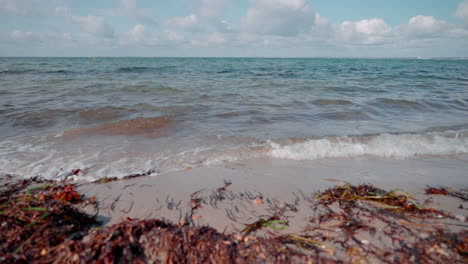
(363, 210)
(279, 182)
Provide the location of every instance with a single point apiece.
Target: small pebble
(258, 200)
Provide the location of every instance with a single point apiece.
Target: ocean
(113, 117)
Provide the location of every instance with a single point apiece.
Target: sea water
(119, 116)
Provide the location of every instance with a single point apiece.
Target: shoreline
(252, 210)
(277, 182)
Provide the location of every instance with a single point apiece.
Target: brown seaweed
(41, 223)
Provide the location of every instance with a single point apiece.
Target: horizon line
(240, 57)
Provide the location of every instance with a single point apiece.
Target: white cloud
(94, 25)
(129, 9)
(63, 11)
(366, 31)
(211, 39)
(174, 36)
(189, 23)
(28, 7)
(141, 35)
(21, 35)
(462, 11)
(426, 26)
(279, 17)
(268, 27)
(138, 34)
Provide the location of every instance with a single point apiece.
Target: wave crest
(383, 145)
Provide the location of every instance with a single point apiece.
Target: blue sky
(234, 28)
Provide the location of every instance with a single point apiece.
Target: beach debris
(396, 201)
(223, 188)
(336, 180)
(36, 218)
(196, 216)
(67, 193)
(447, 191)
(258, 200)
(41, 223)
(141, 174)
(432, 190)
(272, 222)
(196, 200)
(106, 180)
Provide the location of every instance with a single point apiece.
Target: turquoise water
(116, 116)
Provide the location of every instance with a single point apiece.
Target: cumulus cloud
(21, 35)
(462, 11)
(28, 7)
(188, 23)
(279, 17)
(426, 26)
(139, 35)
(94, 25)
(267, 27)
(366, 31)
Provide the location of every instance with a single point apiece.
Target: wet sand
(261, 186)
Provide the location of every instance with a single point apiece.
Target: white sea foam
(110, 161)
(384, 145)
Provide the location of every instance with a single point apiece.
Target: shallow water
(118, 116)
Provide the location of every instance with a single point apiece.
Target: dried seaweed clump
(36, 218)
(155, 241)
(40, 223)
(365, 224)
(396, 200)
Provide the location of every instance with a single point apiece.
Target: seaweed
(447, 191)
(396, 201)
(35, 219)
(42, 223)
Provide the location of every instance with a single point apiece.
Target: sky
(234, 28)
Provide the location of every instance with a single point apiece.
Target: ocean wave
(382, 145)
(154, 127)
(398, 103)
(39, 119)
(151, 88)
(346, 115)
(104, 157)
(105, 113)
(34, 71)
(14, 72)
(324, 102)
(142, 69)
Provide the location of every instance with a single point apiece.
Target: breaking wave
(108, 160)
(383, 145)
